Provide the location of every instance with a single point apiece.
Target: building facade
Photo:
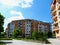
(28, 26)
(55, 8)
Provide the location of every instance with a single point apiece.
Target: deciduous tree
(1, 23)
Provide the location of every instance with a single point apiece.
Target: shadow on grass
(5, 42)
(8, 42)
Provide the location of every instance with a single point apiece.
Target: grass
(2, 43)
(34, 40)
(5, 38)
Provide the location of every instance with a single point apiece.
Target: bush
(49, 34)
(28, 37)
(36, 35)
(17, 33)
(41, 36)
(18, 38)
(2, 35)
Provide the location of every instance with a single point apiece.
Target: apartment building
(28, 26)
(55, 8)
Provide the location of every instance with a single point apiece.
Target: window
(45, 29)
(27, 22)
(27, 25)
(26, 28)
(40, 27)
(29, 31)
(20, 23)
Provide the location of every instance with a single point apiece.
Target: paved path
(55, 41)
(20, 42)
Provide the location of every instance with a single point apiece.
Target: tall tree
(1, 23)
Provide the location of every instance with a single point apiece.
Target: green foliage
(49, 34)
(39, 35)
(17, 33)
(45, 35)
(3, 35)
(5, 38)
(2, 43)
(1, 23)
(35, 35)
(1, 29)
(1, 19)
(27, 37)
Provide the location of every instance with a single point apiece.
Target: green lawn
(5, 38)
(2, 43)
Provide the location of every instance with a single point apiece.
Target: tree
(36, 35)
(39, 35)
(45, 36)
(3, 34)
(17, 33)
(49, 34)
(1, 23)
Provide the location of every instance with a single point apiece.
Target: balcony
(54, 1)
(59, 7)
(55, 23)
(52, 7)
(56, 28)
(54, 13)
(58, 1)
(54, 18)
(59, 18)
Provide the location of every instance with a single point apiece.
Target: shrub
(17, 33)
(36, 35)
(49, 34)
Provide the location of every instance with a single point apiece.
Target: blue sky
(25, 9)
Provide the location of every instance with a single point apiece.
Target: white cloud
(19, 3)
(15, 16)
